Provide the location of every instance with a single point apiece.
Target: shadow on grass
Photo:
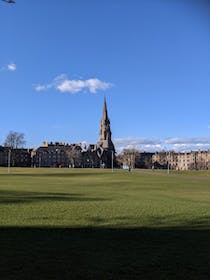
(103, 253)
(7, 197)
(55, 174)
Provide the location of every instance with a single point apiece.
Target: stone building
(51, 155)
(66, 155)
(4, 156)
(105, 147)
(144, 160)
(194, 160)
(15, 157)
(159, 160)
(202, 160)
(186, 161)
(58, 154)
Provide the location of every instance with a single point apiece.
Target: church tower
(105, 141)
(105, 131)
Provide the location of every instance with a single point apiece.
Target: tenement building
(15, 157)
(194, 160)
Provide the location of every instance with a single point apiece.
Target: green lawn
(95, 224)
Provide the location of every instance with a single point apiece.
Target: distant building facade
(132, 158)
(101, 155)
(15, 157)
(194, 160)
(77, 155)
(66, 155)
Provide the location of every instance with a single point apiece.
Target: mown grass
(95, 224)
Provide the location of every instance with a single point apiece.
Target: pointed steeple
(105, 114)
(105, 145)
(105, 131)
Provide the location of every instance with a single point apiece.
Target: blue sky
(150, 58)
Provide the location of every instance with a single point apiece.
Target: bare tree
(128, 157)
(15, 140)
(74, 155)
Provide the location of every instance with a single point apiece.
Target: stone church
(101, 154)
(105, 146)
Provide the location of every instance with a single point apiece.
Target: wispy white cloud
(63, 84)
(177, 144)
(142, 144)
(11, 67)
(188, 140)
(39, 87)
(42, 87)
(137, 141)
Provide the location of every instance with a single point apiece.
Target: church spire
(107, 149)
(105, 114)
(105, 131)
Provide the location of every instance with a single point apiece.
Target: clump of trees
(15, 140)
(128, 158)
(133, 158)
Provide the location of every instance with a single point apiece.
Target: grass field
(95, 224)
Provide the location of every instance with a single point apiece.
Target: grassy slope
(98, 224)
